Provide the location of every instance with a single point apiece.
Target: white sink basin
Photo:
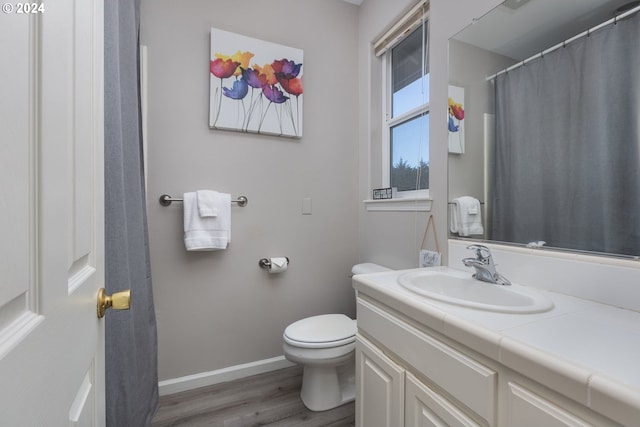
(460, 288)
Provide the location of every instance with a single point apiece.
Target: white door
(51, 204)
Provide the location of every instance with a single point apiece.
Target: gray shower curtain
(131, 339)
(567, 158)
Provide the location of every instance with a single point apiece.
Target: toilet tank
(368, 267)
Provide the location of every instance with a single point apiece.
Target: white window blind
(409, 22)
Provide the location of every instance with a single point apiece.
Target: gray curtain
(131, 339)
(567, 158)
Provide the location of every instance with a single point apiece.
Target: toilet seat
(323, 331)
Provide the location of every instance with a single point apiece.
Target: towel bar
(166, 200)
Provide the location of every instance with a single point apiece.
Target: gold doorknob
(118, 301)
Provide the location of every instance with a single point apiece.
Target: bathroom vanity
(422, 361)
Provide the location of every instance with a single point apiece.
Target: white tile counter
(584, 350)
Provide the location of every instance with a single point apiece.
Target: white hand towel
(465, 216)
(208, 202)
(454, 217)
(206, 233)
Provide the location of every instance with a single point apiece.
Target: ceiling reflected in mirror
(520, 29)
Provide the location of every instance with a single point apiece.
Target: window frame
(388, 122)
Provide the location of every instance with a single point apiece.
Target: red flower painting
(265, 97)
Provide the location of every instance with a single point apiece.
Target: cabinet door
(379, 387)
(470, 382)
(526, 408)
(426, 408)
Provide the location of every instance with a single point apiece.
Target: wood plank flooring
(269, 399)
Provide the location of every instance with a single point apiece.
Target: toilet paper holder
(266, 262)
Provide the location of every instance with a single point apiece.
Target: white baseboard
(189, 382)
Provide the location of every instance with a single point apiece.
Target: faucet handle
(482, 252)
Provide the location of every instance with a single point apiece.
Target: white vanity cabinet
(389, 395)
(462, 392)
(409, 375)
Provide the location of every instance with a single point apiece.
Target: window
(404, 52)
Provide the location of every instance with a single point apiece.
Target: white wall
(219, 309)
(388, 238)
(394, 238)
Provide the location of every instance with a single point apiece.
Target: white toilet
(325, 346)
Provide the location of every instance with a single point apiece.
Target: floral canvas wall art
(256, 86)
(456, 120)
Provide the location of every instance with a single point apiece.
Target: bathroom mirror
(515, 186)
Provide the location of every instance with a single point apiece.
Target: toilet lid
(326, 330)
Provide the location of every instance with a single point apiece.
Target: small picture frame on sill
(382, 193)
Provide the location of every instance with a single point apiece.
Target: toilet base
(327, 387)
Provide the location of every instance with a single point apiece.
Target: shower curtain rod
(613, 20)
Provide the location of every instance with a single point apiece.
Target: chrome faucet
(484, 266)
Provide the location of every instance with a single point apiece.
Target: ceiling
(536, 25)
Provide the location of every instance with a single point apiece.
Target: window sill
(404, 204)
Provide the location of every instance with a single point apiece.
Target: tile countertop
(588, 351)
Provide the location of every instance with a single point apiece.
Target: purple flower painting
(256, 86)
